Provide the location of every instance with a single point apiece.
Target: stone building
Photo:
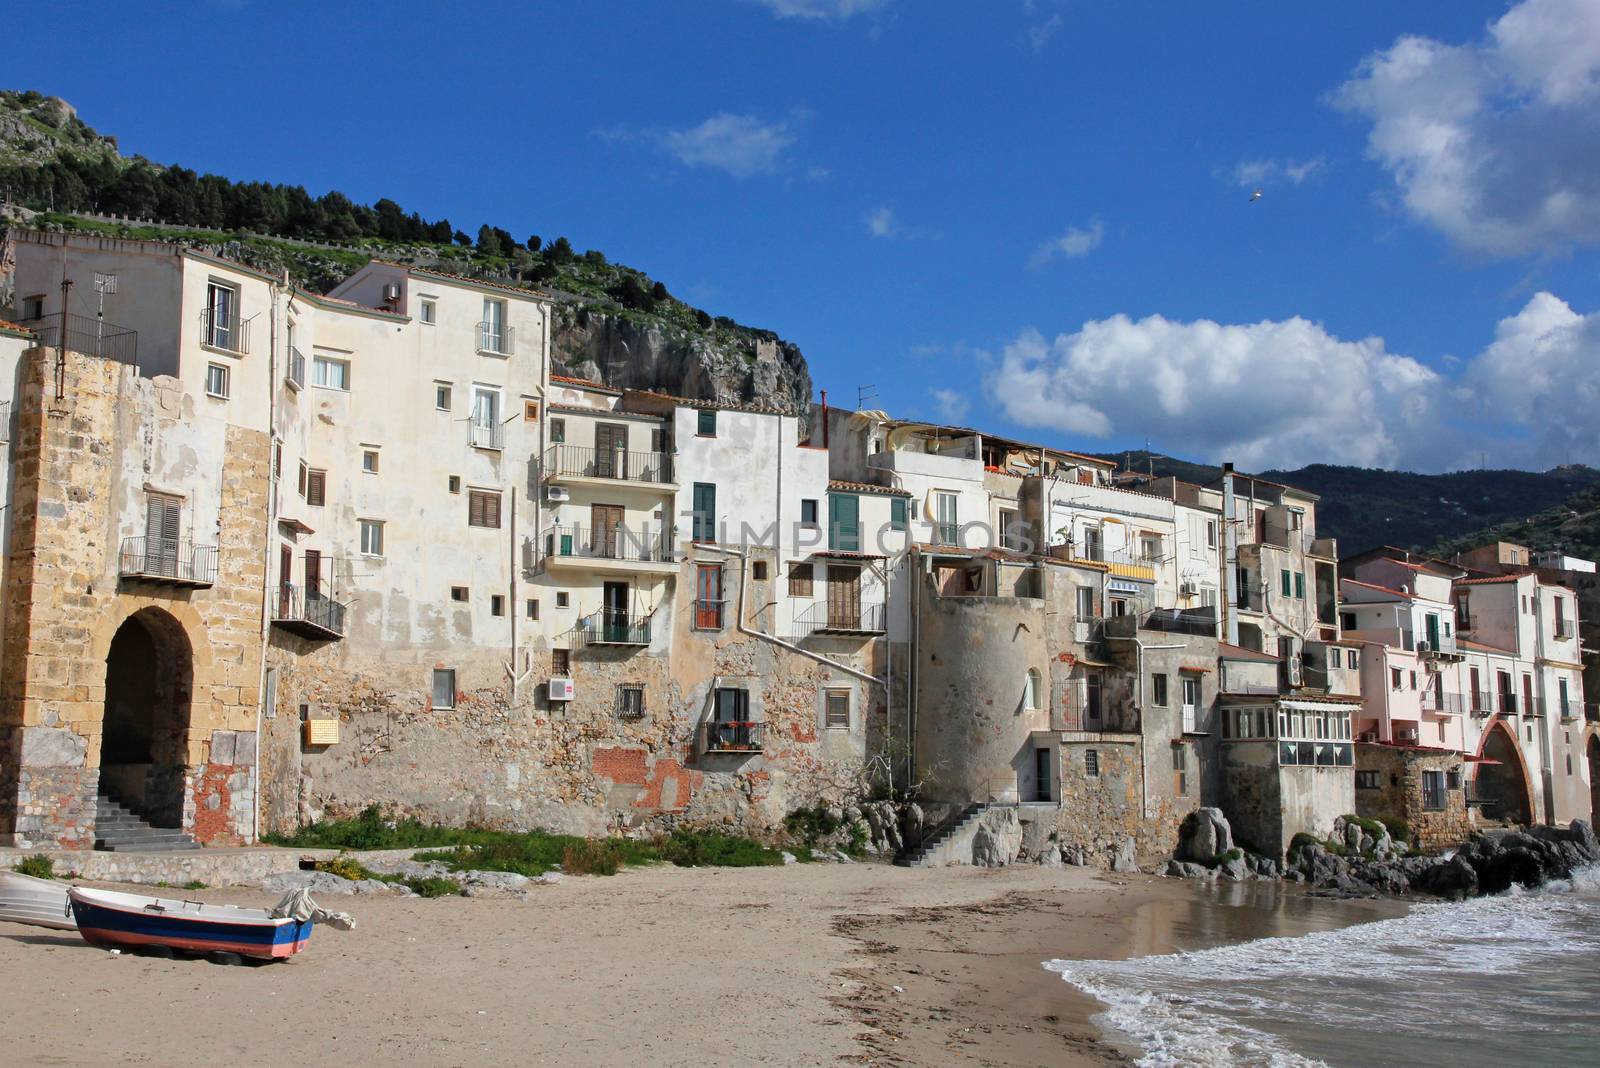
(1419, 786)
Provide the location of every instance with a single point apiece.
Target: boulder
(1051, 857)
(1235, 869)
(998, 838)
(1203, 834)
(1352, 837)
(1123, 859)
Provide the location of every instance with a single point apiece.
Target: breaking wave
(1498, 980)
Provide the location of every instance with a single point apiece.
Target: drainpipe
(1230, 582)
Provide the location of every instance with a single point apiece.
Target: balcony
(1591, 713)
(1121, 563)
(570, 463)
(226, 333)
(310, 614)
(495, 339)
(1481, 703)
(168, 561)
(1454, 704)
(1569, 711)
(613, 628)
(1565, 629)
(486, 436)
(609, 549)
(295, 374)
(731, 736)
(708, 614)
(93, 337)
(837, 618)
(1200, 622)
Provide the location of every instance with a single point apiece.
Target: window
(808, 512)
(483, 508)
(163, 514)
(1452, 779)
(32, 308)
(630, 700)
(1352, 658)
(371, 537)
(844, 522)
(708, 597)
(301, 479)
(836, 713)
(1394, 678)
(1191, 701)
(800, 578)
(1180, 769)
(1150, 547)
(560, 662)
(441, 397)
(530, 411)
(221, 326)
(493, 335)
(897, 513)
(1091, 763)
(486, 430)
(1286, 582)
(705, 512)
(732, 704)
(758, 571)
(558, 431)
(1432, 791)
(458, 593)
(563, 599)
(216, 380)
(330, 373)
(1031, 687)
(277, 461)
(369, 461)
(316, 487)
(1300, 585)
(1211, 533)
(428, 311)
(497, 604)
(1158, 689)
(947, 528)
(533, 608)
(1009, 538)
(1367, 780)
(1085, 602)
(444, 688)
(706, 423)
(1413, 680)
(1347, 620)
(455, 483)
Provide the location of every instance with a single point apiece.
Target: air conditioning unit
(1294, 670)
(557, 494)
(1368, 736)
(1424, 647)
(1408, 734)
(561, 689)
(1188, 588)
(391, 293)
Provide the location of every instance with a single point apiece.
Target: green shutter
(897, 513)
(1300, 584)
(844, 522)
(705, 511)
(1284, 581)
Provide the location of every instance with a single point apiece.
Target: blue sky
(1027, 215)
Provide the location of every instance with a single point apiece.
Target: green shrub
(433, 886)
(1399, 829)
(1227, 858)
(688, 848)
(591, 857)
(346, 868)
(810, 825)
(1370, 826)
(1300, 841)
(37, 865)
(194, 884)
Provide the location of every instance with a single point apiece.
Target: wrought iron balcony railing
(94, 337)
(731, 736)
(832, 617)
(708, 614)
(613, 628)
(168, 560)
(226, 332)
(496, 339)
(296, 373)
(486, 436)
(1453, 703)
(576, 461)
(313, 613)
(609, 543)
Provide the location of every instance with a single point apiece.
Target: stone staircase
(934, 845)
(118, 829)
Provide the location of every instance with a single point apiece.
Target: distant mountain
(1364, 507)
(613, 322)
(1573, 526)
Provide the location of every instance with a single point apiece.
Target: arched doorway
(1594, 780)
(1502, 778)
(144, 739)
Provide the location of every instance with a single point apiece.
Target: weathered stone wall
(73, 462)
(1399, 794)
(1098, 812)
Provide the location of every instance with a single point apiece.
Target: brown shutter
(313, 574)
(316, 487)
(492, 510)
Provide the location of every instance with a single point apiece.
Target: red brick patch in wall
(669, 787)
(213, 805)
(625, 766)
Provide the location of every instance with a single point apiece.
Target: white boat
(41, 902)
(109, 918)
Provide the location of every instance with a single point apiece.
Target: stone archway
(1502, 779)
(145, 730)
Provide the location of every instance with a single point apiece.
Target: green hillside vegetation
(52, 162)
(1364, 507)
(1573, 527)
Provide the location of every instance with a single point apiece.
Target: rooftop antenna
(865, 394)
(104, 285)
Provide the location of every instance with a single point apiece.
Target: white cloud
(1496, 143)
(880, 222)
(1071, 245)
(742, 145)
(952, 405)
(1286, 393)
(1040, 33)
(824, 10)
(1255, 173)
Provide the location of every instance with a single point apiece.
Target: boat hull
(104, 923)
(40, 902)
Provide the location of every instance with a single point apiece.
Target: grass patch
(38, 866)
(1373, 827)
(689, 848)
(433, 886)
(422, 886)
(194, 884)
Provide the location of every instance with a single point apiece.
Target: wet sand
(661, 966)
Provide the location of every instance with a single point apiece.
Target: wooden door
(285, 581)
(708, 597)
(611, 451)
(313, 575)
(605, 520)
(844, 597)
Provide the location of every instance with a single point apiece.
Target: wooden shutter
(483, 509)
(604, 522)
(316, 487)
(844, 597)
(838, 708)
(799, 580)
(161, 534)
(313, 574)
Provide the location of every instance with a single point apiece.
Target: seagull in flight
(1255, 196)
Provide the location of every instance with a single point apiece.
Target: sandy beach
(665, 966)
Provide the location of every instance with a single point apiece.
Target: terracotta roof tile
(1239, 652)
(1372, 586)
(522, 291)
(864, 487)
(1488, 581)
(7, 325)
(583, 383)
(721, 406)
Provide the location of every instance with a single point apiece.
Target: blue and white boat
(109, 918)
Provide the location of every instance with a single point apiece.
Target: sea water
(1501, 981)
